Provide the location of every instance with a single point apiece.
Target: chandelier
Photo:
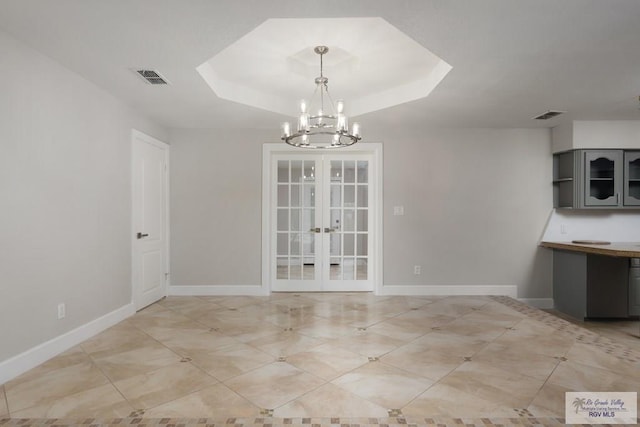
(325, 127)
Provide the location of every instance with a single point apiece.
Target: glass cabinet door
(603, 178)
(632, 178)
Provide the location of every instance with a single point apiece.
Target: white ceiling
(511, 59)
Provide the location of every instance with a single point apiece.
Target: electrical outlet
(398, 210)
(62, 311)
(417, 269)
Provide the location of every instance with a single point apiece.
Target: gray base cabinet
(634, 287)
(569, 283)
(607, 286)
(590, 286)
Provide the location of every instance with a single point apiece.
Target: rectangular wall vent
(152, 77)
(549, 115)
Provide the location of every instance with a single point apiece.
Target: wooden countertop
(617, 249)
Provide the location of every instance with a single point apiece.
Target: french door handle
(140, 235)
(329, 229)
(315, 230)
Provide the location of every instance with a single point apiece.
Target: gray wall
(216, 207)
(476, 203)
(65, 198)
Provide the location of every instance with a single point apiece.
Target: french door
(321, 215)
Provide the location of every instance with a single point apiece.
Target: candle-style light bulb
(340, 106)
(336, 140)
(355, 130)
(303, 122)
(286, 130)
(341, 123)
(303, 106)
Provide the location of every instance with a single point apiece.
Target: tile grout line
(547, 380)
(107, 377)
(6, 400)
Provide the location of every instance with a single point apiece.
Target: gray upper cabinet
(602, 176)
(632, 178)
(565, 179)
(596, 179)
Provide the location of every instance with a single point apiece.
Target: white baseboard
(543, 303)
(229, 290)
(39, 354)
(439, 290)
(218, 290)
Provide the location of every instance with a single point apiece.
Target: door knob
(140, 235)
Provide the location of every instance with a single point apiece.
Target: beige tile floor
(329, 355)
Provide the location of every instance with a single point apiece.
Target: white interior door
(150, 219)
(320, 228)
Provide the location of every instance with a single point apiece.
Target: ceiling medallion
(328, 128)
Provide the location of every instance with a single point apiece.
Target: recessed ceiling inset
(373, 64)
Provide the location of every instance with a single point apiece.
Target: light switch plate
(398, 210)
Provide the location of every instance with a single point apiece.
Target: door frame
(371, 148)
(136, 134)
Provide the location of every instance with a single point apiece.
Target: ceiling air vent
(152, 77)
(549, 115)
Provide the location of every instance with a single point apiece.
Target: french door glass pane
(296, 171)
(296, 190)
(363, 171)
(296, 220)
(283, 244)
(283, 219)
(361, 267)
(283, 171)
(283, 195)
(282, 266)
(348, 269)
(295, 269)
(363, 196)
(349, 220)
(335, 245)
(363, 220)
(349, 202)
(335, 198)
(348, 243)
(349, 195)
(362, 244)
(349, 171)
